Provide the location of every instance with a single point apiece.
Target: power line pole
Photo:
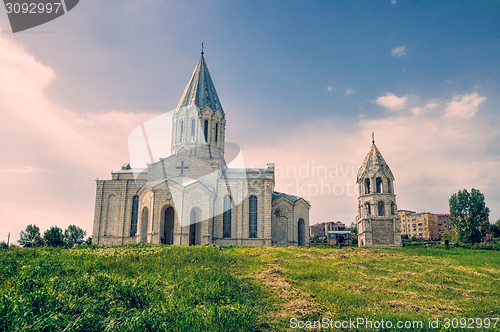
(8, 239)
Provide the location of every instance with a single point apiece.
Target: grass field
(209, 288)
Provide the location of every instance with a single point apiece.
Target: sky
(303, 85)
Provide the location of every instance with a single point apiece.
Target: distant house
(339, 237)
(321, 229)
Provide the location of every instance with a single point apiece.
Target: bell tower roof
(374, 162)
(200, 90)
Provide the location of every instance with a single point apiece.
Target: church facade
(193, 197)
(378, 221)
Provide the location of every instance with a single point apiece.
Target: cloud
(349, 91)
(51, 155)
(391, 102)
(393, 2)
(399, 51)
(329, 88)
(464, 106)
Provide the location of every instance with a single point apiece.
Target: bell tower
(199, 121)
(377, 221)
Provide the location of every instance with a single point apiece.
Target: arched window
(381, 208)
(301, 232)
(216, 132)
(205, 131)
(182, 131)
(368, 209)
(252, 211)
(393, 208)
(389, 186)
(226, 217)
(135, 213)
(379, 185)
(144, 224)
(367, 186)
(193, 123)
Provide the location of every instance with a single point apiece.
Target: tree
(28, 236)
(451, 236)
(89, 240)
(495, 229)
(74, 235)
(3, 245)
(469, 215)
(54, 237)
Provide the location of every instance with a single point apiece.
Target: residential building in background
(422, 225)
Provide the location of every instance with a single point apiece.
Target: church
(194, 196)
(378, 221)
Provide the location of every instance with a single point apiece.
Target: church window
(367, 186)
(393, 208)
(135, 213)
(389, 186)
(252, 209)
(379, 185)
(368, 208)
(192, 129)
(216, 132)
(206, 131)
(226, 217)
(182, 131)
(381, 208)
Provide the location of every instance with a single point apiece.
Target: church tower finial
(202, 49)
(373, 137)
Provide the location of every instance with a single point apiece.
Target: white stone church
(192, 197)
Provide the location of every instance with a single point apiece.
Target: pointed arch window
(252, 211)
(182, 131)
(216, 132)
(193, 124)
(368, 209)
(367, 186)
(379, 185)
(389, 186)
(135, 213)
(226, 217)
(205, 131)
(381, 208)
(393, 208)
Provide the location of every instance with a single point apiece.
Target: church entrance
(144, 224)
(193, 223)
(168, 228)
(302, 232)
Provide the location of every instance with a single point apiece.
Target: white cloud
(393, 2)
(329, 88)
(391, 102)
(349, 91)
(399, 51)
(464, 106)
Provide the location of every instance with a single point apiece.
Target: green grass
(209, 288)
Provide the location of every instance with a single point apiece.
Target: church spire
(200, 90)
(374, 162)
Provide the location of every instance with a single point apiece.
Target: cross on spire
(182, 168)
(373, 138)
(202, 49)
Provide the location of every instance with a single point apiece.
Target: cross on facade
(182, 168)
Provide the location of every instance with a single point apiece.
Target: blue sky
(299, 81)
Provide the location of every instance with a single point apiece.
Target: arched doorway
(302, 232)
(144, 224)
(168, 228)
(194, 218)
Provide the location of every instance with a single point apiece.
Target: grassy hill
(208, 288)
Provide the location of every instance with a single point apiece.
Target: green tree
(28, 236)
(495, 229)
(54, 237)
(469, 215)
(3, 245)
(451, 236)
(74, 235)
(88, 240)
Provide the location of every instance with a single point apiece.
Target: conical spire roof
(200, 90)
(374, 162)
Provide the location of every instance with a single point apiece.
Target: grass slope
(208, 288)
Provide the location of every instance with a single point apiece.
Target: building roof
(419, 213)
(200, 90)
(374, 162)
(291, 198)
